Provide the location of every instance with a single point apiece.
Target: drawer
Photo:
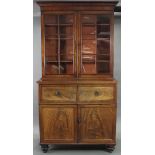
(93, 93)
(58, 93)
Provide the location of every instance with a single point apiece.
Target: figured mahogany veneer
(77, 92)
(97, 123)
(58, 93)
(91, 93)
(58, 123)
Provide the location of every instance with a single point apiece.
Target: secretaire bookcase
(77, 92)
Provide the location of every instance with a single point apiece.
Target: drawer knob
(58, 93)
(96, 93)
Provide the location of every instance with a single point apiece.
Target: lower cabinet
(77, 124)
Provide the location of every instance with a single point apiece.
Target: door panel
(97, 124)
(59, 36)
(96, 31)
(58, 123)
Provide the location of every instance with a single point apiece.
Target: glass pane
(103, 31)
(88, 58)
(86, 30)
(53, 58)
(103, 67)
(67, 57)
(52, 68)
(66, 46)
(66, 32)
(66, 67)
(66, 19)
(88, 68)
(88, 64)
(103, 46)
(50, 19)
(51, 47)
(88, 46)
(89, 19)
(102, 19)
(103, 57)
(51, 31)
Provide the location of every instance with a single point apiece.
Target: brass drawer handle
(96, 93)
(58, 93)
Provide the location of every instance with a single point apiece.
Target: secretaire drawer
(96, 93)
(58, 93)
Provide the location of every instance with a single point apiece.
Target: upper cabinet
(77, 42)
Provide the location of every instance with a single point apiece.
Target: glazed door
(58, 46)
(97, 124)
(58, 123)
(96, 37)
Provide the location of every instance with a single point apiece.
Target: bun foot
(44, 147)
(109, 148)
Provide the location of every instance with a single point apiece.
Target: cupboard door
(58, 123)
(97, 124)
(96, 43)
(59, 36)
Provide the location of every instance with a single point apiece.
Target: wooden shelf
(48, 38)
(53, 61)
(58, 25)
(93, 61)
(104, 33)
(106, 39)
(107, 61)
(54, 55)
(93, 24)
(89, 34)
(104, 24)
(96, 54)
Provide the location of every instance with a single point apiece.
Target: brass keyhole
(96, 93)
(58, 93)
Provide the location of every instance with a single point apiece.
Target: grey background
(37, 76)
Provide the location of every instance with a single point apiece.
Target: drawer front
(93, 93)
(60, 93)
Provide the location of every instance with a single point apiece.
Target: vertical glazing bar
(81, 41)
(43, 45)
(73, 39)
(78, 44)
(58, 44)
(111, 52)
(96, 52)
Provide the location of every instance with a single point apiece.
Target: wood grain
(77, 108)
(58, 123)
(97, 124)
(58, 93)
(91, 93)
